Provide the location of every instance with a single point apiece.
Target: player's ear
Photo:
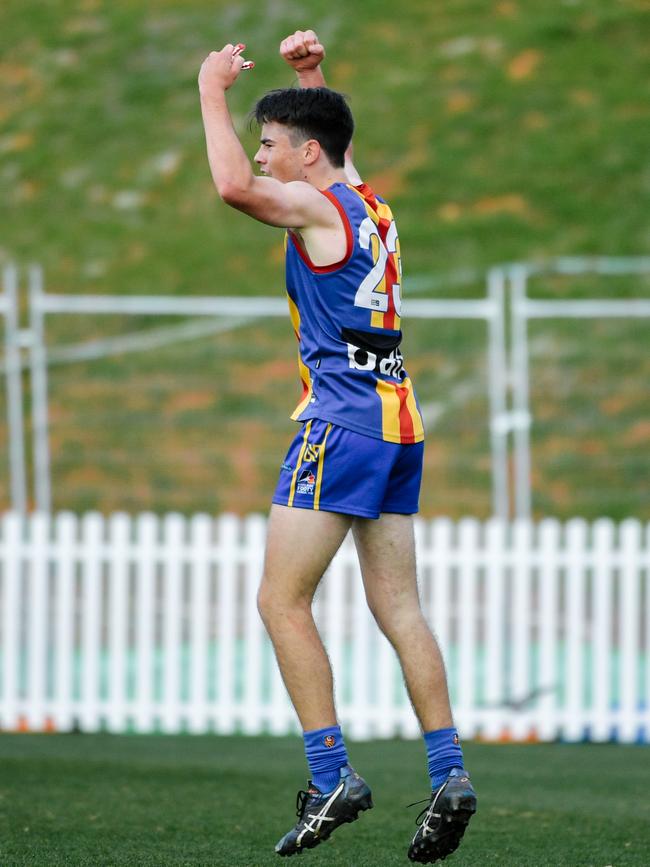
(311, 151)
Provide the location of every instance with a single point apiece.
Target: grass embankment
(498, 130)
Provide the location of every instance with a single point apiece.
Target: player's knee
(397, 622)
(275, 602)
(264, 601)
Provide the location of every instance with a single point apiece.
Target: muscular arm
(304, 53)
(292, 205)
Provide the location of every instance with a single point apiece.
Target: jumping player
(358, 409)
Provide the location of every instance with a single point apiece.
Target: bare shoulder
(317, 209)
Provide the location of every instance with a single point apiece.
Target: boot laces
(301, 802)
(430, 802)
(422, 813)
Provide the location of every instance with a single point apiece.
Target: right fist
(219, 70)
(302, 50)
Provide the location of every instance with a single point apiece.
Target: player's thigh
(300, 545)
(386, 549)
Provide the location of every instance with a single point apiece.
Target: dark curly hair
(314, 112)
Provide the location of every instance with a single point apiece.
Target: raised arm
(304, 52)
(291, 205)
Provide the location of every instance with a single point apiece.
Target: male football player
(358, 410)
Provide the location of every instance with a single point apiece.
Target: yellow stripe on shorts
(321, 456)
(292, 490)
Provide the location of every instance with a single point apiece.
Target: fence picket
(252, 637)
(11, 535)
(175, 545)
(92, 531)
(645, 686)
(65, 560)
(520, 628)
(468, 545)
(601, 637)
(200, 534)
(37, 620)
(441, 568)
(146, 542)
(548, 571)
(228, 529)
(119, 543)
(576, 546)
(494, 629)
(630, 531)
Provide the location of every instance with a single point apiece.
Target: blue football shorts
(333, 469)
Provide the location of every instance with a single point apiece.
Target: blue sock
(326, 755)
(443, 754)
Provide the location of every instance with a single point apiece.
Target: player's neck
(324, 178)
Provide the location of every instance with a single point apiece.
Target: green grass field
(499, 130)
(108, 801)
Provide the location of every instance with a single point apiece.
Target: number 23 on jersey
(380, 290)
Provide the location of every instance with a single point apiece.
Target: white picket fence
(150, 624)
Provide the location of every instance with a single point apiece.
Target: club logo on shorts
(329, 741)
(456, 740)
(306, 482)
(312, 452)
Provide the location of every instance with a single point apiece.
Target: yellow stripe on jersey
(374, 216)
(319, 471)
(294, 313)
(292, 490)
(389, 411)
(302, 406)
(383, 211)
(303, 370)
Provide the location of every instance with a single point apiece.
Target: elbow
(232, 194)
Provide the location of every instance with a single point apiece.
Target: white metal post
(520, 418)
(497, 391)
(17, 473)
(38, 364)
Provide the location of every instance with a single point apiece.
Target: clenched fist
(302, 50)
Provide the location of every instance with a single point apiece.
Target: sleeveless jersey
(346, 317)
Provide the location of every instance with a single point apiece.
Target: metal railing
(507, 355)
(524, 309)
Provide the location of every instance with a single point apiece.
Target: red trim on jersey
(368, 194)
(349, 240)
(391, 279)
(406, 432)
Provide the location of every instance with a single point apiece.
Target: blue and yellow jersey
(346, 317)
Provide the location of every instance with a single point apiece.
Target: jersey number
(367, 294)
